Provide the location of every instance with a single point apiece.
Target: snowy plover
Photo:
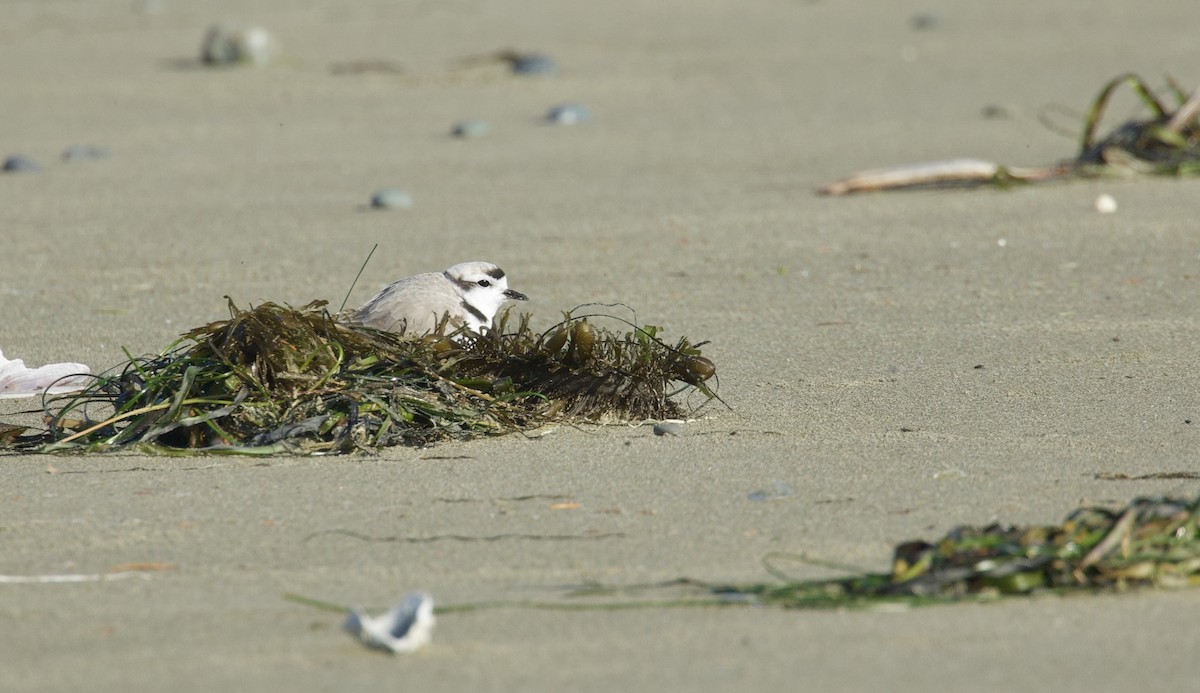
(469, 293)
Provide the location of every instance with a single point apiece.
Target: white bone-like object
(18, 380)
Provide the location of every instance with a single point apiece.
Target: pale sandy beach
(895, 364)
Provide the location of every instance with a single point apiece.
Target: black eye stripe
(467, 284)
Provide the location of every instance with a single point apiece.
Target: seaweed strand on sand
(1148, 543)
(1167, 143)
(1151, 542)
(276, 379)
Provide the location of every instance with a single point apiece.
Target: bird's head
(484, 288)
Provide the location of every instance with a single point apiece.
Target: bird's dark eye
(484, 283)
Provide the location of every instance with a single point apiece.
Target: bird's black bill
(515, 295)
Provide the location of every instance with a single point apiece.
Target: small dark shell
(694, 369)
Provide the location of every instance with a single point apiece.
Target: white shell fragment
(568, 114)
(405, 628)
(1106, 204)
(18, 380)
(668, 428)
(230, 44)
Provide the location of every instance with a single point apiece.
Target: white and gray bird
(468, 294)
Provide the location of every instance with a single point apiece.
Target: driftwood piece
(967, 173)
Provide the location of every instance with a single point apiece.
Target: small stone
(83, 152)
(568, 114)
(1106, 204)
(923, 21)
(535, 64)
(230, 44)
(19, 163)
(391, 198)
(668, 428)
(777, 491)
(996, 111)
(471, 128)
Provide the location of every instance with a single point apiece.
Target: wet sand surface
(896, 365)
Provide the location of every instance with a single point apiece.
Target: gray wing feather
(413, 305)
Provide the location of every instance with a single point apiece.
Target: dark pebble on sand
(466, 129)
(19, 163)
(391, 198)
(538, 64)
(924, 21)
(995, 111)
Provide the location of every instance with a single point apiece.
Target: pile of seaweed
(1165, 143)
(1149, 542)
(277, 379)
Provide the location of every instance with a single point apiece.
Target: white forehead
(472, 271)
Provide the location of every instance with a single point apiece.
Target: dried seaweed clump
(1150, 542)
(1167, 143)
(274, 379)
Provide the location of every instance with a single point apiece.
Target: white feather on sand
(18, 380)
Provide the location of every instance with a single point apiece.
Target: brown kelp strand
(1149, 542)
(278, 379)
